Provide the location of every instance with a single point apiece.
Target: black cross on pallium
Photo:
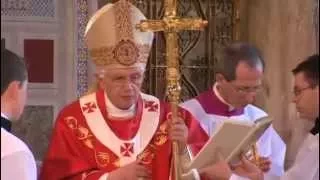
(151, 106)
(89, 107)
(127, 149)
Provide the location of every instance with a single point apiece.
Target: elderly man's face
(306, 97)
(123, 86)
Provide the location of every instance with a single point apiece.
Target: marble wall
(53, 22)
(285, 31)
(34, 128)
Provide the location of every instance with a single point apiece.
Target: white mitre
(114, 42)
(113, 39)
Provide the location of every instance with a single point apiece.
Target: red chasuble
(86, 145)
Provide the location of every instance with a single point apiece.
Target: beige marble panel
(34, 128)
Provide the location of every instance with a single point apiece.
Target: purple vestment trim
(212, 105)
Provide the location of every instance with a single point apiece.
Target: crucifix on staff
(171, 25)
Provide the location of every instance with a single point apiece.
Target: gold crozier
(171, 24)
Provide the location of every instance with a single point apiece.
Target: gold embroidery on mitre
(125, 53)
(123, 14)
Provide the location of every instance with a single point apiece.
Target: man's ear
(13, 89)
(219, 78)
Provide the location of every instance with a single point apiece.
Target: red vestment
(85, 144)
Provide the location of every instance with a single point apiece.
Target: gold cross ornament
(171, 25)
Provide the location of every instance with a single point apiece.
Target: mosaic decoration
(82, 53)
(26, 8)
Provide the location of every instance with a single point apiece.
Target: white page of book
(230, 138)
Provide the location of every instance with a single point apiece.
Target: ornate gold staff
(256, 157)
(171, 24)
(236, 36)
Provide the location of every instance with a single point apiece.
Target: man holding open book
(239, 74)
(306, 98)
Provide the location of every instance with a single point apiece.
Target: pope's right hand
(134, 171)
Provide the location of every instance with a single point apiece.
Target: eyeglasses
(298, 92)
(246, 90)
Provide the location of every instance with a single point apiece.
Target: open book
(231, 138)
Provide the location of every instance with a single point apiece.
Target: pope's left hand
(178, 131)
